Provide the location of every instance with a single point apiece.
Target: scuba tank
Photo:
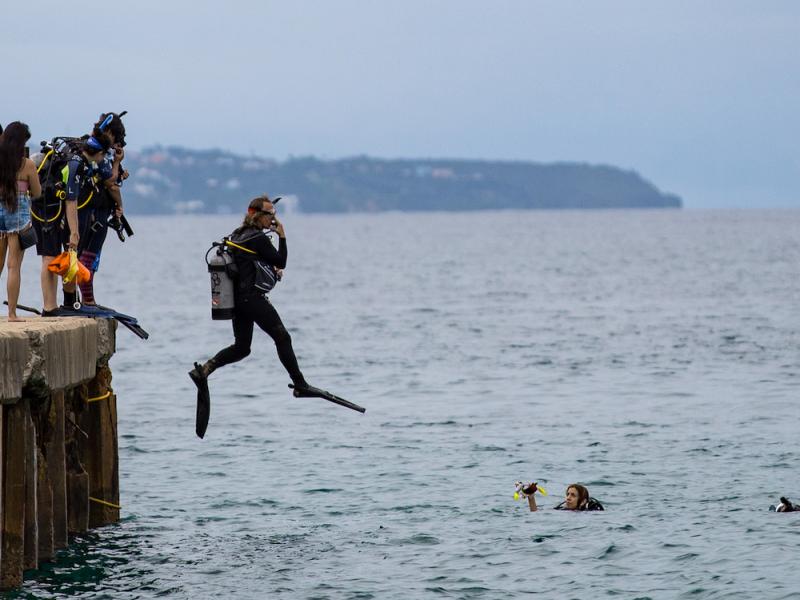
(222, 271)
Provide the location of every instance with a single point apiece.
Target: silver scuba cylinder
(220, 267)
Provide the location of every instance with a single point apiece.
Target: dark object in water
(785, 506)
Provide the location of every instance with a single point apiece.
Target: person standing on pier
(93, 214)
(75, 181)
(18, 181)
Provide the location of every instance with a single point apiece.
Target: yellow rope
(104, 503)
(103, 397)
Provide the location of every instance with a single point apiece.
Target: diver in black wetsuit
(785, 505)
(576, 498)
(252, 307)
(259, 267)
(94, 213)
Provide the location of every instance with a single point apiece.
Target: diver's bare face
(571, 499)
(269, 212)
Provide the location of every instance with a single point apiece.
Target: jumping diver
(255, 258)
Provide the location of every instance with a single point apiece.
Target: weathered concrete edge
(52, 354)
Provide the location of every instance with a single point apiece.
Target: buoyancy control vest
(52, 166)
(265, 277)
(591, 504)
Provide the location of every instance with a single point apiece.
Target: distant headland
(169, 180)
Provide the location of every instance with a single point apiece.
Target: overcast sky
(701, 98)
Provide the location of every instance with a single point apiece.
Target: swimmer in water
(785, 506)
(575, 498)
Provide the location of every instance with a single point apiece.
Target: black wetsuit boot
(70, 298)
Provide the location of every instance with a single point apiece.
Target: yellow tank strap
(98, 398)
(40, 219)
(104, 503)
(89, 199)
(44, 160)
(237, 246)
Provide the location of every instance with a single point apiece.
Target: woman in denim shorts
(18, 181)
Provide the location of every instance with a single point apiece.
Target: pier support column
(13, 495)
(57, 467)
(99, 420)
(31, 544)
(44, 501)
(56, 449)
(77, 477)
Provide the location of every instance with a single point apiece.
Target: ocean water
(652, 355)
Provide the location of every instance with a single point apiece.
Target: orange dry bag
(67, 266)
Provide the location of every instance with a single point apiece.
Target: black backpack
(266, 276)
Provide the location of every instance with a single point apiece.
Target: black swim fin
(29, 309)
(309, 391)
(128, 321)
(203, 400)
(134, 327)
(88, 311)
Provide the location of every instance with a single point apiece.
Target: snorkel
(524, 490)
(106, 122)
(93, 142)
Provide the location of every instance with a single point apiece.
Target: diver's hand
(277, 227)
(119, 154)
(279, 274)
(530, 489)
(73, 240)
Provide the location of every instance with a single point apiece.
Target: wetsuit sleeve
(105, 170)
(267, 252)
(73, 179)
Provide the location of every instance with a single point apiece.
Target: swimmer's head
(576, 497)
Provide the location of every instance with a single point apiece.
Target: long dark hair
(583, 495)
(12, 156)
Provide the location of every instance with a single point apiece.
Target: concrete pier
(59, 455)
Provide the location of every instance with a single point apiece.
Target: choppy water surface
(653, 356)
